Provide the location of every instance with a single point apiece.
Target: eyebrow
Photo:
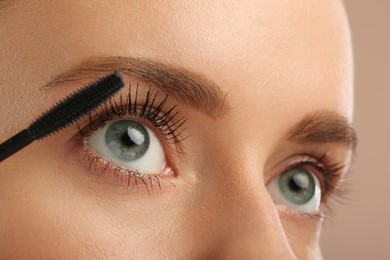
(185, 86)
(324, 127)
(5, 3)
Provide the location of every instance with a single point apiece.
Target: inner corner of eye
(129, 144)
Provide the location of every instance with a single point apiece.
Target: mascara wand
(64, 113)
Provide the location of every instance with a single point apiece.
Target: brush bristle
(76, 105)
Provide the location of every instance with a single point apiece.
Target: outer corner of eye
(297, 188)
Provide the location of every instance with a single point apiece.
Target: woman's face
(239, 162)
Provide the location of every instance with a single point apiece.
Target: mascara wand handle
(14, 144)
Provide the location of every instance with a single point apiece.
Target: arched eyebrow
(323, 127)
(187, 87)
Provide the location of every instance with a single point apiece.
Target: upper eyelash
(169, 123)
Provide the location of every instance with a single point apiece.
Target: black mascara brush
(64, 113)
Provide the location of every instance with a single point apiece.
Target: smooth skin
(276, 61)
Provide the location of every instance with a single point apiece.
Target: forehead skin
(278, 49)
(277, 60)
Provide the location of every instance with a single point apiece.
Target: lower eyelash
(125, 177)
(318, 217)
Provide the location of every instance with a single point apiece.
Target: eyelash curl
(169, 127)
(169, 124)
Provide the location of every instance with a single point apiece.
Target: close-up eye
(297, 188)
(128, 140)
(130, 145)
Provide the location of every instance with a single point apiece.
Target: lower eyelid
(298, 216)
(108, 173)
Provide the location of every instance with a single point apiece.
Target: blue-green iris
(127, 140)
(297, 185)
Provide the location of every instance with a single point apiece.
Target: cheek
(40, 211)
(304, 241)
(32, 211)
(50, 205)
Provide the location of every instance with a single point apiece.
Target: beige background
(360, 227)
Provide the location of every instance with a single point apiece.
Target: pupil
(294, 186)
(126, 140)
